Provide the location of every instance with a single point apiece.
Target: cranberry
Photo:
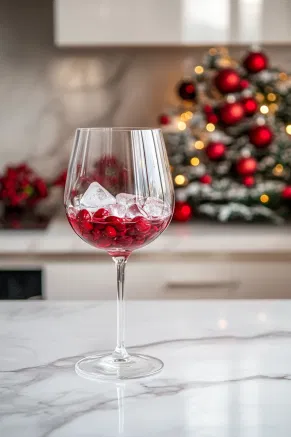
(87, 226)
(102, 213)
(110, 231)
(96, 234)
(84, 216)
(117, 222)
(142, 225)
(140, 241)
(124, 241)
(88, 236)
(103, 242)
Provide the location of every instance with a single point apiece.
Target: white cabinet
(170, 22)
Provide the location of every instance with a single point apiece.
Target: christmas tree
(229, 141)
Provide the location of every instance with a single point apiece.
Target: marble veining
(227, 369)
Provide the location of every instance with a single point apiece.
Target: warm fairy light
(260, 97)
(264, 109)
(210, 127)
(283, 76)
(180, 179)
(199, 69)
(273, 107)
(183, 116)
(182, 125)
(264, 198)
(189, 115)
(271, 97)
(212, 51)
(195, 161)
(278, 170)
(199, 145)
(288, 129)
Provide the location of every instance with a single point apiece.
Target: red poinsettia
(21, 186)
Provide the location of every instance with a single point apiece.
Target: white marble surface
(227, 370)
(59, 238)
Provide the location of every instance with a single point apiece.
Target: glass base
(106, 368)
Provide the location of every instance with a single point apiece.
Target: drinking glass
(119, 197)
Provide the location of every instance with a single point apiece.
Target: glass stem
(120, 354)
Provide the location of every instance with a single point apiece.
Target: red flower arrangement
(21, 187)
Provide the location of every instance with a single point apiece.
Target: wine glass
(119, 197)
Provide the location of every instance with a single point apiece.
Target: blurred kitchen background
(73, 63)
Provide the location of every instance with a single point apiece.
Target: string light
(199, 145)
(283, 76)
(264, 109)
(260, 97)
(212, 51)
(199, 69)
(278, 170)
(185, 116)
(273, 107)
(180, 179)
(189, 115)
(210, 127)
(288, 129)
(264, 198)
(195, 161)
(271, 97)
(182, 125)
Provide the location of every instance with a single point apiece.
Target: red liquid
(116, 235)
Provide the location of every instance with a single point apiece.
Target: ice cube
(96, 196)
(135, 211)
(125, 199)
(117, 210)
(76, 201)
(130, 199)
(156, 208)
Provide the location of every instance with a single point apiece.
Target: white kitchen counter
(227, 370)
(178, 238)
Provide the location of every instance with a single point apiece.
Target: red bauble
(286, 193)
(215, 151)
(231, 113)
(246, 166)
(187, 90)
(227, 81)
(244, 84)
(261, 136)
(206, 179)
(164, 119)
(208, 109)
(249, 181)
(255, 62)
(211, 118)
(182, 212)
(250, 106)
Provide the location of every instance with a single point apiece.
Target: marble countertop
(197, 238)
(227, 370)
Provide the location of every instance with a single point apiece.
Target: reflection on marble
(227, 370)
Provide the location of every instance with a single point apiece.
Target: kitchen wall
(45, 92)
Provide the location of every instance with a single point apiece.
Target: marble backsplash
(46, 93)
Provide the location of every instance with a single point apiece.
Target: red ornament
(187, 90)
(286, 193)
(215, 150)
(250, 106)
(164, 119)
(206, 179)
(211, 118)
(231, 113)
(255, 62)
(182, 212)
(261, 136)
(246, 166)
(244, 84)
(249, 181)
(227, 81)
(208, 109)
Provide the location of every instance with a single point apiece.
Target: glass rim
(119, 129)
